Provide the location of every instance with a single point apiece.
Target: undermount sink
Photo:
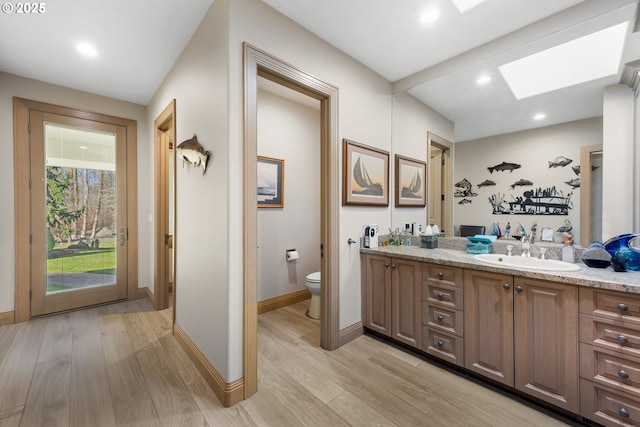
(528, 263)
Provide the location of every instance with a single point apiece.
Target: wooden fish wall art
(192, 152)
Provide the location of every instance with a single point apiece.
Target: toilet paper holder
(292, 254)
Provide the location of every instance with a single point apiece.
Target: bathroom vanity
(567, 339)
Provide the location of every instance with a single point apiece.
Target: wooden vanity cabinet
(610, 357)
(523, 333)
(442, 312)
(545, 325)
(488, 325)
(392, 298)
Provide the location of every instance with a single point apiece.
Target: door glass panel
(80, 222)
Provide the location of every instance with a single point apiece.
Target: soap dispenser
(568, 252)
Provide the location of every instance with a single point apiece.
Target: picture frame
(365, 175)
(270, 184)
(410, 182)
(547, 234)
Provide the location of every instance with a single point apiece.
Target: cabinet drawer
(444, 319)
(442, 295)
(608, 407)
(442, 345)
(609, 368)
(611, 334)
(442, 274)
(611, 305)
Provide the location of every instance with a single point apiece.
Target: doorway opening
(76, 209)
(164, 177)
(440, 208)
(259, 63)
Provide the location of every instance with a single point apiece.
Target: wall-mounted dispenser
(292, 255)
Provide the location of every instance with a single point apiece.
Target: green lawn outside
(89, 261)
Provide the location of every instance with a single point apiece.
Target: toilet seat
(314, 277)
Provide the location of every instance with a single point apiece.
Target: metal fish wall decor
(575, 182)
(559, 161)
(191, 151)
(464, 201)
(521, 183)
(486, 183)
(504, 166)
(464, 189)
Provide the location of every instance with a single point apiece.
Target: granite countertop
(603, 278)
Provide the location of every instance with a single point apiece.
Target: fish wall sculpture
(191, 151)
(521, 183)
(575, 182)
(559, 161)
(504, 166)
(486, 183)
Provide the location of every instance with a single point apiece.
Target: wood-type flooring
(119, 365)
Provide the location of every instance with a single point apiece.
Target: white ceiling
(139, 41)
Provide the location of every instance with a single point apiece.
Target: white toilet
(313, 284)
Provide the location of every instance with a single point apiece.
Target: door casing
(22, 197)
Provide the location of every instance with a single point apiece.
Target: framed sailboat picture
(365, 175)
(270, 182)
(410, 182)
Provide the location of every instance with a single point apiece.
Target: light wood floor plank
(172, 400)
(48, 400)
(12, 421)
(7, 335)
(57, 342)
(18, 367)
(357, 413)
(90, 401)
(125, 377)
(137, 413)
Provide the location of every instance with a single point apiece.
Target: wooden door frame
(22, 204)
(259, 63)
(166, 121)
(585, 192)
(447, 148)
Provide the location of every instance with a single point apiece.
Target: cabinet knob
(440, 275)
(386, 265)
(623, 413)
(440, 317)
(506, 286)
(519, 289)
(623, 340)
(440, 344)
(393, 266)
(623, 307)
(623, 374)
(439, 295)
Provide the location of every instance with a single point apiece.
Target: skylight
(581, 60)
(465, 5)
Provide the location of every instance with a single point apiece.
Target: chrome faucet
(527, 241)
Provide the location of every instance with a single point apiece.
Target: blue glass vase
(625, 260)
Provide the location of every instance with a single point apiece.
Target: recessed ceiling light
(539, 116)
(84, 147)
(464, 5)
(581, 60)
(483, 80)
(86, 49)
(430, 16)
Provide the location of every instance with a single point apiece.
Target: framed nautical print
(365, 175)
(270, 182)
(410, 182)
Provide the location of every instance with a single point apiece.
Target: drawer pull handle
(440, 275)
(506, 286)
(439, 295)
(393, 266)
(623, 307)
(623, 413)
(386, 265)
(623, 340)
(622, 374)
(519, 289)
(440, 344)
(440, 317)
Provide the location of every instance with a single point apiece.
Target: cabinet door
(546, 341)
(488, 325)
(406, 301)
(377, 294)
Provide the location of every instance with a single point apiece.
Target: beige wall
(533, 149)
(11, 86)
(289, 131)
(198, 82)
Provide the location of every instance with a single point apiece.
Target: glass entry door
(78, 215)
